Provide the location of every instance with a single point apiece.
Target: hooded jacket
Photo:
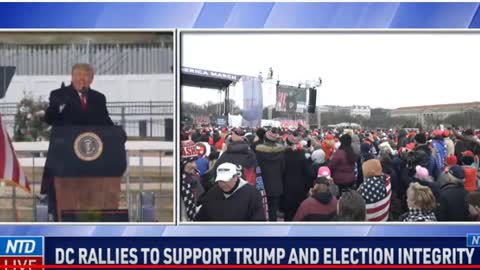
(240, 154)
(271, 159)
(321, 206)
(243, 204)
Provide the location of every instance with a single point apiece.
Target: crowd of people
(296, 174)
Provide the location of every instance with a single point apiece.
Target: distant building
(425, 115)
(358, 110)
(355, 110)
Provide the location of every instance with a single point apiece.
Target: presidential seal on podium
(88, 146)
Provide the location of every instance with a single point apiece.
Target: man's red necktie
(83, 99)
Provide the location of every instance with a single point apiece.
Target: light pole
(307, 115)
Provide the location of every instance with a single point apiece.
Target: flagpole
(33, 187)
(14, 203)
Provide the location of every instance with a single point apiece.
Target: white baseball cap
(226, 171)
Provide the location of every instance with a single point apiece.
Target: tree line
(469, 119)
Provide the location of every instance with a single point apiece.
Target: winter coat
(356, 144)
(240, 154)
(424, 157)
(388, 169)
(257, 143)
(386, 147)
(408, 177)
(470, 143)
(296, 181)
(244, 204)
(342, 171)
(453, 205)
(271, 159)
(321, 206)
(418, 215)
(202, 165)
(470, 178)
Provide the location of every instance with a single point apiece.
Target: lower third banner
(240, 253)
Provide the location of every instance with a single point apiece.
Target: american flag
(377, 191)
(281, 101)
(10, 171)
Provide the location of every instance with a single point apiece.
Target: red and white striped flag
(281, 102)
(377, 192)
(10, 171)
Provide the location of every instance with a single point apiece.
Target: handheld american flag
(10, 171)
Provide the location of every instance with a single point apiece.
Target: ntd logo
(21, 252)
(21, 246)
(473, 240)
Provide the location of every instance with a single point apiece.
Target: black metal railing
(141, 119)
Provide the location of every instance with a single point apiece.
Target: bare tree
(469, 119)
(403, 122)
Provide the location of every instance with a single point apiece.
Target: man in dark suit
(74, 105)
(77, 104)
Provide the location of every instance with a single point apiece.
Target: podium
(87, 164)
